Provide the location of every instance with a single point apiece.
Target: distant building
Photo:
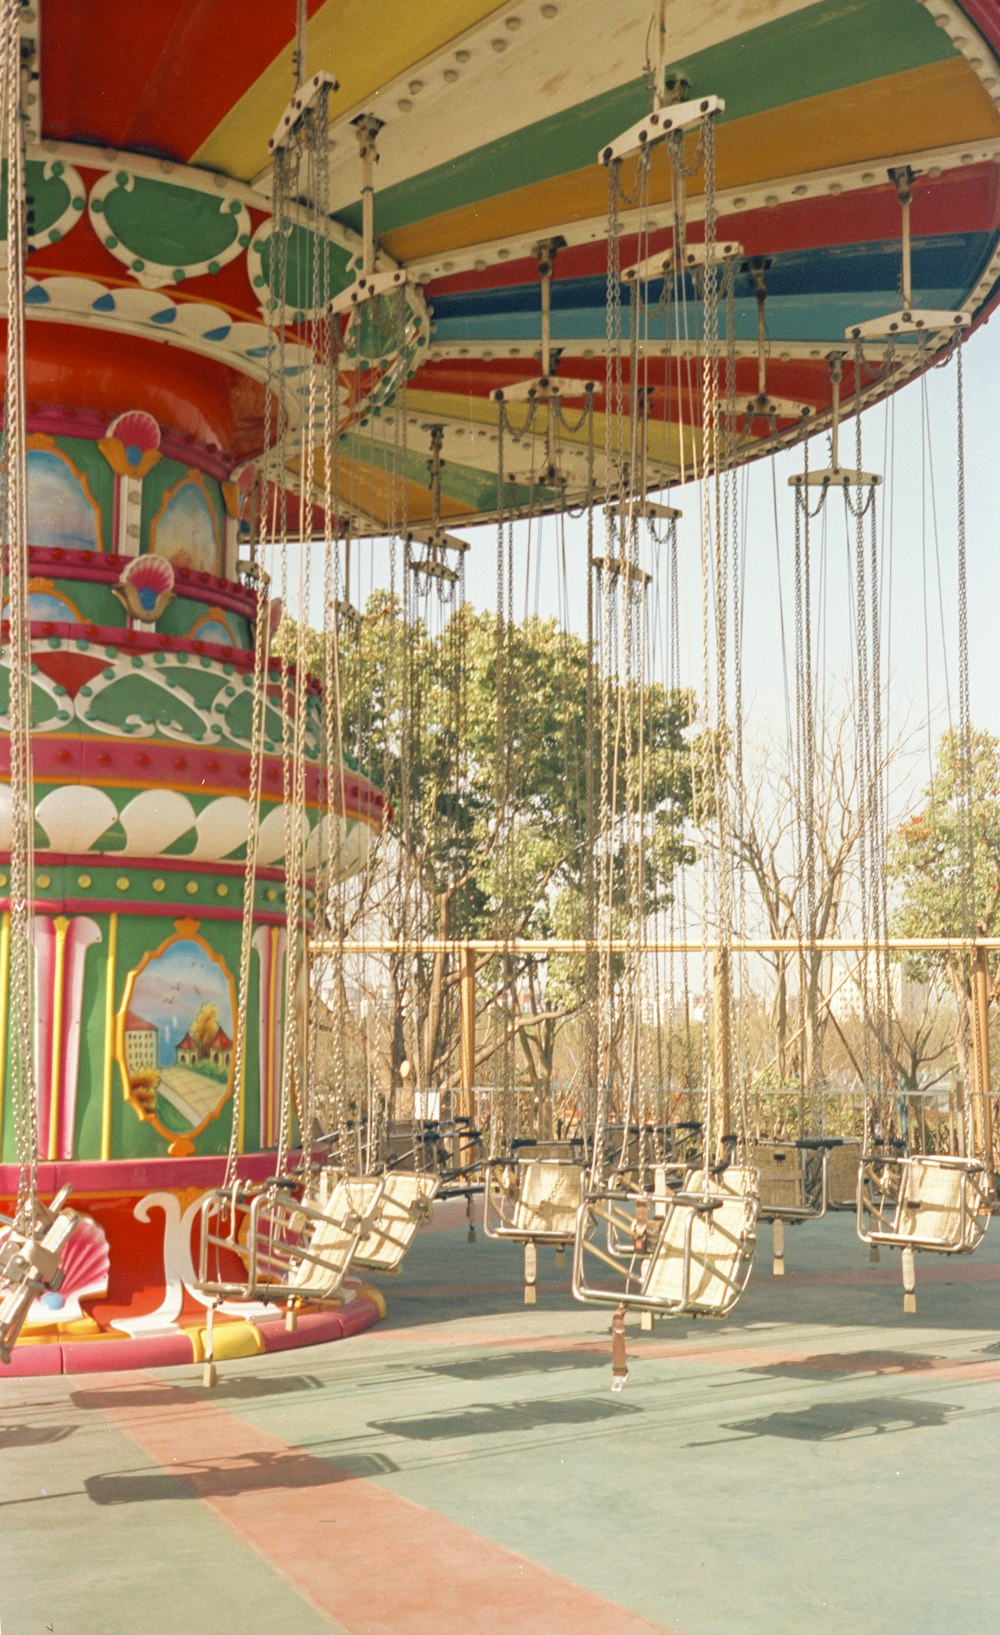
(141, 1044)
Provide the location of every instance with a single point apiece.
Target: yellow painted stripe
(664, 437)
(108, 1066)
(372, 491)
(930, 107)
(365, 47)
(4, 996)
(55, 1081)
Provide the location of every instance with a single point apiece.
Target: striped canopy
(151, 197)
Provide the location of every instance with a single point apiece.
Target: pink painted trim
(45, 938)
(146, 762)
(58, 421)
(141, 1175)
(172, 1350)
(82, 935)
(55, 561)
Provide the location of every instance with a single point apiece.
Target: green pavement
(817, 1463)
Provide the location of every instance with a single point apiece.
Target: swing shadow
(252, 1473)
(826, 1421)
(234, 1388)
(508, 1363)
(501, 1419)
(33, 1436)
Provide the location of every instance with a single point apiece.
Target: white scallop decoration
(271, 837)
(154, 819)
(222, 828)
(73, 817)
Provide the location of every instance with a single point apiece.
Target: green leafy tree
(419, 712)
(946, 873)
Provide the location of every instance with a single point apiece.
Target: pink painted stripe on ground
(375, 1562)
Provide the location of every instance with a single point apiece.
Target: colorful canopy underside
(150, 186)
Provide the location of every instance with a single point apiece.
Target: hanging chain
(15, 542)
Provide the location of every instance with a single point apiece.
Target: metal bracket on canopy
(908, 320)
(835, 475)
(668, 121)
(622, 568)
(305, 98)
(763, 406)
(435, 542)
(669, 262)
(370, 283)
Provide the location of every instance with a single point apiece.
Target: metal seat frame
(30, 1265)
(900, 1206)
(701, 1253)
(294, 1249)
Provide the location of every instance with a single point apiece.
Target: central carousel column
(142, 672)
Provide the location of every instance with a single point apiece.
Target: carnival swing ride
(282, 292)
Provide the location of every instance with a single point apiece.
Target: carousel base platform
(90, 1350)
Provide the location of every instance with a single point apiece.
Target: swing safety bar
(692, 1250)
(290, 1248)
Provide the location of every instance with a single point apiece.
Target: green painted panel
(464, 484)
(174, 226)
(827, 47)
(299, 272)
(165, 475)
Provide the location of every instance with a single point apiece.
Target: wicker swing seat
(403, 1206)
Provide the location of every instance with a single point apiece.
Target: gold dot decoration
(123, 882)
(159, 885)
(84, 880)
(43, 880)
(222, 890)
(271, 894)
(191, 887)
(3, 879)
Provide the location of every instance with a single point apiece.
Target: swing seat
(842, 1175)
(291, 1249)
(702, 1257)
(927, 1201)
(30, 1266)
(533, 1198)
(699, 1261)
(793, 1178)
(403, 1207)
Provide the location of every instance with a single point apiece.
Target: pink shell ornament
(85, 1261)
(145, 586)
(131, 445)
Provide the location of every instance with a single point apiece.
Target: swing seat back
(927, 1201)
(842, 1175)
(404, 1206)
(702, 1257)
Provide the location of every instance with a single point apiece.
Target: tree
(945, 869)
(490, 832)
(205, 1026)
